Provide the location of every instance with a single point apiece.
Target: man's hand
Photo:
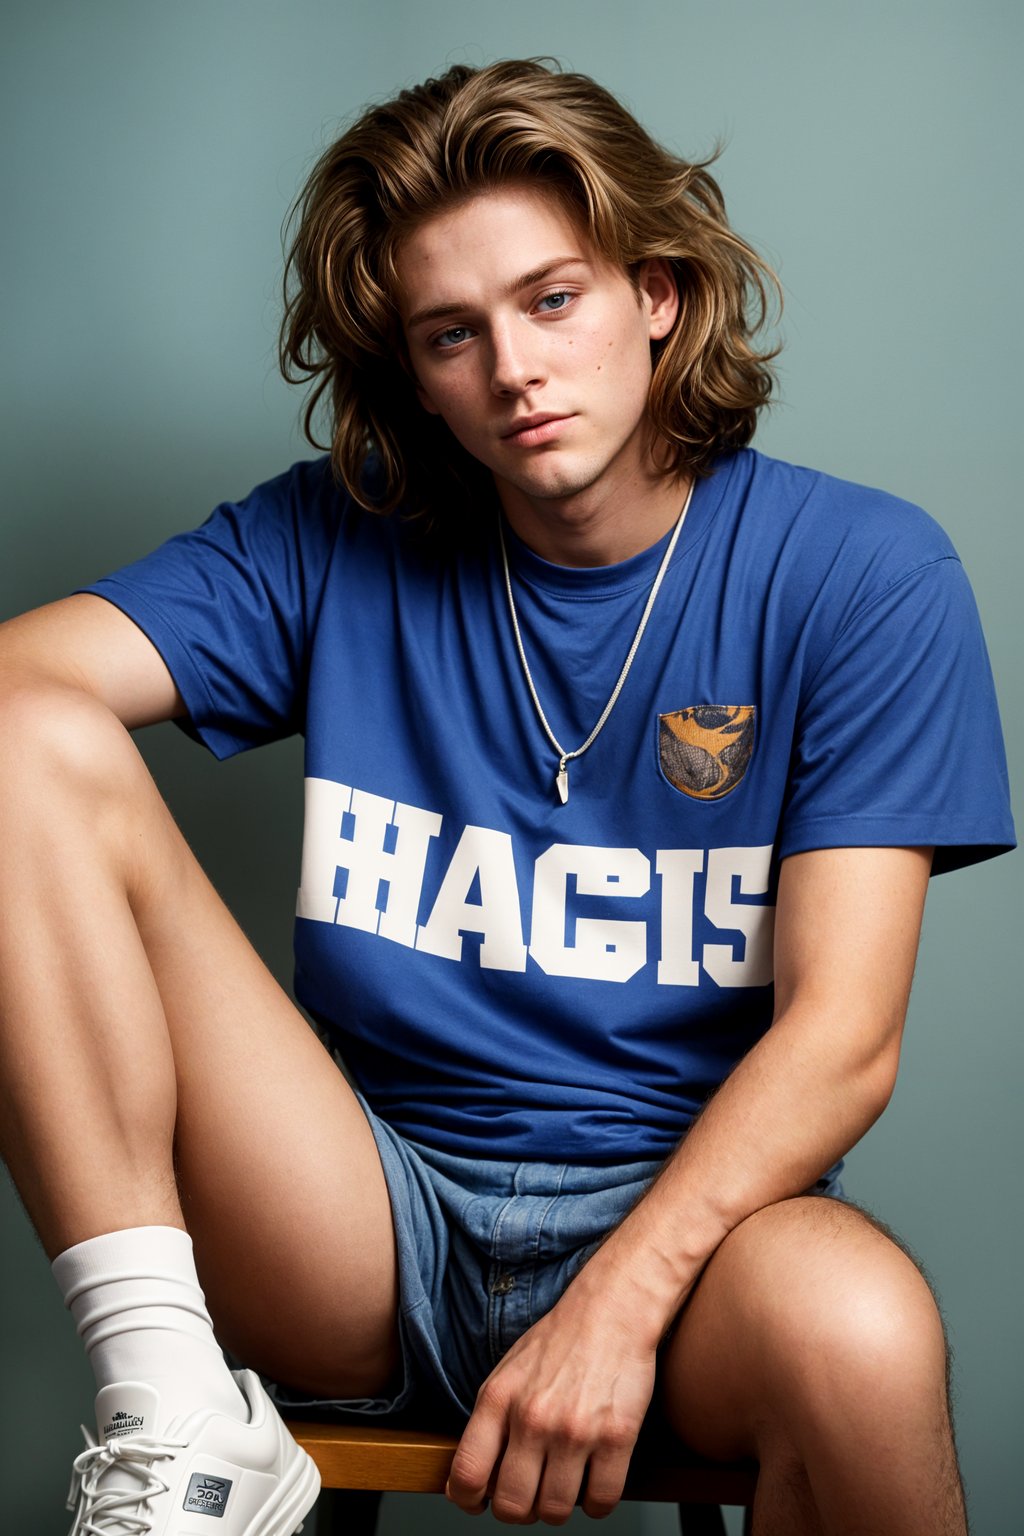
(564, 1406)
(567, 1401)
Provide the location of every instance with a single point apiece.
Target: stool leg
(701, 1520)
(347, 1512)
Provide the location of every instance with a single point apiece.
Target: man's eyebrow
(527, 280)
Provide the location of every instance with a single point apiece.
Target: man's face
(533, 349)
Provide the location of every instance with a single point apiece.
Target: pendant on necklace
(562, 781)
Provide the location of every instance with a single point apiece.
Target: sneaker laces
(100, 1511)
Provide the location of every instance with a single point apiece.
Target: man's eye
(452, 336)
(556, 300)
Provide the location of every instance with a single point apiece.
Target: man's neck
(602, 525)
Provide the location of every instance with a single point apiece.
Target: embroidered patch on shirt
(705, 749)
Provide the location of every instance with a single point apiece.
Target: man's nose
(515, 365)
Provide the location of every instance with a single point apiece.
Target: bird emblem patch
(705, 750)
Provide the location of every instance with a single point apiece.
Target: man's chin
(556, 484)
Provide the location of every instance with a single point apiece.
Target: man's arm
(84, 645)
(570, 1396)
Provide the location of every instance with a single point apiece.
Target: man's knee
(59, 740)
(832, 1303)
(72, 779)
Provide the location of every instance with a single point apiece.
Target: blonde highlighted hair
(470, 130)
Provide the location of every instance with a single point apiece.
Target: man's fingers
(476, 1459)
(606, 1477)
(560, 1487)
(530, 1487)
(545, 1411)
(515, 1492)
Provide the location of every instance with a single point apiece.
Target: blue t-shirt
(509, 976)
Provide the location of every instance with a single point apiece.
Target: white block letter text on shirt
(484, 852)
(365, 858)
(751, 867)
(604, 949)
(678, 868)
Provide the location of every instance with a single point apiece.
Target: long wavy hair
(469, 131)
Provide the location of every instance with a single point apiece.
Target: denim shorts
(485, 1248)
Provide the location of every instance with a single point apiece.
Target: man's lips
(532, 430)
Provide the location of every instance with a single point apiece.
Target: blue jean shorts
(485, 1248)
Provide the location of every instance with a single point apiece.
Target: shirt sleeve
(231, 607)
(899, 741)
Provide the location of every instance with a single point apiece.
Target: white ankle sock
(137, 1303)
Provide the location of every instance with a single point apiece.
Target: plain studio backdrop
(872, 153)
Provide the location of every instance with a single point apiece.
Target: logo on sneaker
(122, 1424)
(207, 1495)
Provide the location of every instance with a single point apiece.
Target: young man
(626, 759)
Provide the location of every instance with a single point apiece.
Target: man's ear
(660, 295)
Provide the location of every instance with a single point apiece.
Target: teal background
(873, 152)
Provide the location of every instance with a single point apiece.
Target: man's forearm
(798, 1101)
(846, 928)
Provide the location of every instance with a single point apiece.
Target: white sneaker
(140, 1481)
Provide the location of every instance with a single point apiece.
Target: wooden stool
(357, 1465)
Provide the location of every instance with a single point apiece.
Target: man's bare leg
(813, 1343)
(145, 1050)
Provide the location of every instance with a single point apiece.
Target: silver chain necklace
(564, 757)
